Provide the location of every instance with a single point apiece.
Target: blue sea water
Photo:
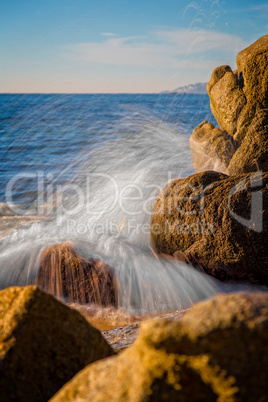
(55, 134)
(101, 160)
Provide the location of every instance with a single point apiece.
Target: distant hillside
(199, 88)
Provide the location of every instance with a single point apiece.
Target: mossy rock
(219, 223)
(239, 102)
(216, 352)
(43, 344)
(64, 273)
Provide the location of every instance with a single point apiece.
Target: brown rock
(212, 148)
(43, 344)
(252, 155)
(66, 274)
(239, 102)
(252, 64)
(226, 98)
(218, 351)
(219, 223)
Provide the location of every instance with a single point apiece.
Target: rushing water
(92, 166)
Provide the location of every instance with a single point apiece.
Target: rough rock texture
(252, 65)
(43, 344)
(218, 351)
(66, 274)
(239, 102)
(212, 148)
(226, 98)
(218, 223)
(252, 155)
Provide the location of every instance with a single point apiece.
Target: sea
(86, 168)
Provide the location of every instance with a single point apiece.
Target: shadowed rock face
(218, 351)
(66, 274)
(218, 223)
(239, 102)
(43, 344)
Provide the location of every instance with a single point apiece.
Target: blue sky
(101, 46)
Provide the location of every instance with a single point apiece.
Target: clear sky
(104, 46)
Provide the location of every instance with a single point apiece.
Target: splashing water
(105, 211)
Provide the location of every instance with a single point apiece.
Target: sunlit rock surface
(239, 102)
(43, 344)
(219, 223)
(66, 274)
(218, 351)
(252, 155)
(226, 98)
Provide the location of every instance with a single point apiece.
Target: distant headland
(198, 88)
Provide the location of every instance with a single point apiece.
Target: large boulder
(239, 102)
(218, 223)
(43, 344)
(218, 351)
(66, 274)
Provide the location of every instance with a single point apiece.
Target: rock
(226, 98)
(252, 67)
(218, 351)
(239, 102)
(66, 274)
(219, 223)
(252, 155)
(212, 148)
(43, 344)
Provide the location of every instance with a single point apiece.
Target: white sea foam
(106, 213)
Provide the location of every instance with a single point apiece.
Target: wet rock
(43, 344)
(66, 274)
(218, 351)
(212, 148)
(239, 102)
(219, 223)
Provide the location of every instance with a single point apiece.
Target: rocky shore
(215, 220)
(217, 351)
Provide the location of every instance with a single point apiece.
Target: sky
(121, 46)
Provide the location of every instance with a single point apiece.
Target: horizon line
(102, 93)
